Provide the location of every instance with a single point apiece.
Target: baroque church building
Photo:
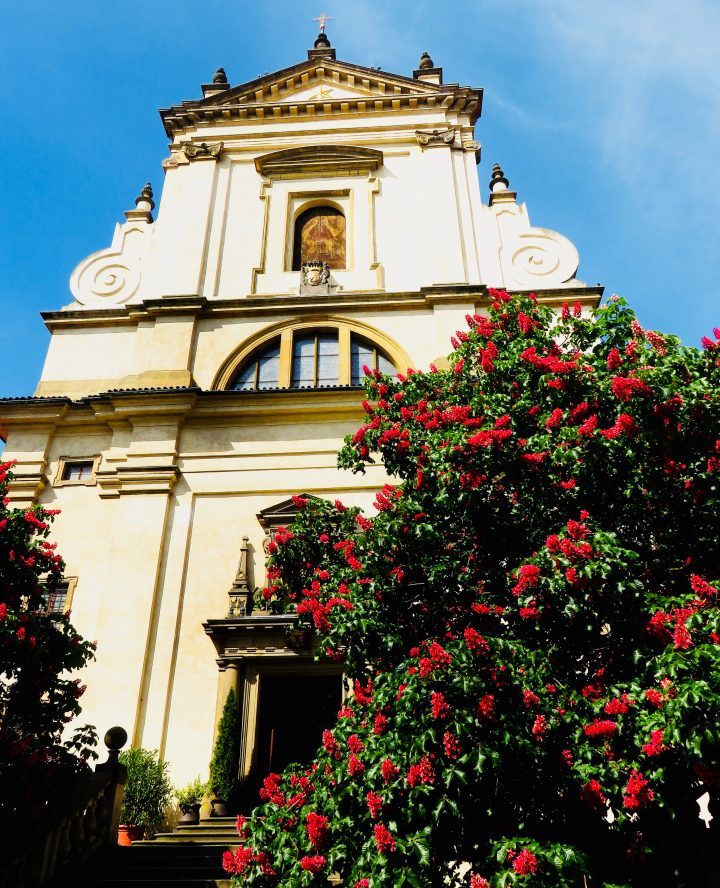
(312, 221)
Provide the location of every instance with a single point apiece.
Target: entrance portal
(293, 712)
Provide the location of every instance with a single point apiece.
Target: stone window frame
(63, 462)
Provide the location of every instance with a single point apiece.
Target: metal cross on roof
(323, 19)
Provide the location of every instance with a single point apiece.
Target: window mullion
(344, 361)
(286, 357)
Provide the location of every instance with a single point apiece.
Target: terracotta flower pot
(129, 833)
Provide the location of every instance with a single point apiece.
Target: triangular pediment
(324, 84)
(306, 81)
(281, 514)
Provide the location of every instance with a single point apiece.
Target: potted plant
(189, 799)
(226, 759)
(147, 793)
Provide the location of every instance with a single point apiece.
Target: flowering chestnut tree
(531, 619)
(37, 651)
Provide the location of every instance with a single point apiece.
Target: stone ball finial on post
(425, 62)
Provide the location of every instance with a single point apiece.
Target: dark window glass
(79, 470)
(364, 353)
(56, 600)
(260, 372)
(315, 359)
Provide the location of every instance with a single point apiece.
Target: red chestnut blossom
(314, 864)
(317, 829)
(600, 728)
(440, 707)
(526, 863)
(375, 803)
(384, 839)
(389, 770)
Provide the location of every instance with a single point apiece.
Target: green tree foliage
(226, 754)
(531, 619)
(147, 789)
(38, 654)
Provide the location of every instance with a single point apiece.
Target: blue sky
(605, 115)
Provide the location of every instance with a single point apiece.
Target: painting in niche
(320, 234)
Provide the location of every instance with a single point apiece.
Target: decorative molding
(319, 160)
(435, 138)
(314, 276)
(137, 480)
(240, 593)
(112, 276)
(541, 256)
(202, 150)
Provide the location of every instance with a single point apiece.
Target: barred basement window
(57, 601)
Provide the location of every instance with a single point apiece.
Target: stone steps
(191, 858)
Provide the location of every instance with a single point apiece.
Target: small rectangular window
(74, 470)
(78, 471)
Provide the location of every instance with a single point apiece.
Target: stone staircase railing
(82, 823)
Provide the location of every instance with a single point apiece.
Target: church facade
(315, 220)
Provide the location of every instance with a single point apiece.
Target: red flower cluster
(375, 803)
(440, 707)
(525, 863)
(637, 792)
(314, 864)
(423, 772)
(600, 728)
(384, 839)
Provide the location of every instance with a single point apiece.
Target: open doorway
(293, 712)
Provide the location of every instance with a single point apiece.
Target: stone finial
(144, 205)
(220, 77)
(114, 739)
(145, 198)
(322, 41)
(427, 71)
(219, 84)
(499, 183)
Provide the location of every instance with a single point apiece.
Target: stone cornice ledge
(198, 306)
(137, 480)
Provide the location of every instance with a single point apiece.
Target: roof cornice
(262, 98)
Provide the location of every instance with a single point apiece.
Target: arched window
(367, 354)
(320, 234)
(311, 358)
(261, 371)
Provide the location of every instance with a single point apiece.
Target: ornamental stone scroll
(532, 257)
(112, 276)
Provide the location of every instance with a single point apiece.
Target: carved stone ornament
(427, 138)
(315, 273)
(203, 151)
(112, 276)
